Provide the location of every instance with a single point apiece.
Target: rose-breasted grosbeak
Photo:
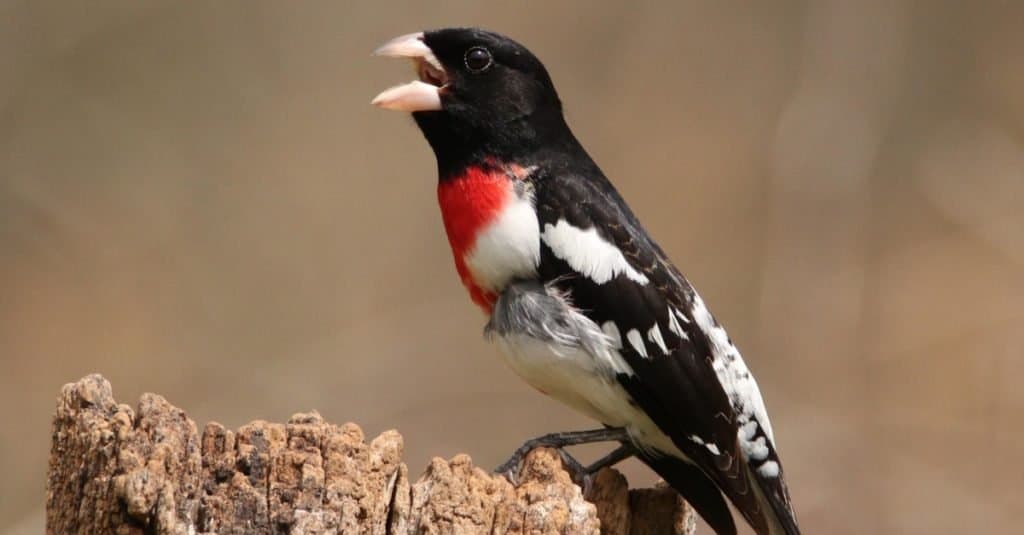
(585, 306)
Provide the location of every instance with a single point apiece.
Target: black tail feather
(696, 488)
(778, 498)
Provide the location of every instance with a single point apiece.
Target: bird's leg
(617, 455)
(560, 441)
(584, 475)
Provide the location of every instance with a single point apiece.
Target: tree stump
(118, 470)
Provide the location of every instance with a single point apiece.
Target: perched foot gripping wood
(115, 469)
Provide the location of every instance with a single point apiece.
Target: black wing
(688, 377)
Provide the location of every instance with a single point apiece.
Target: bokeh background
(196, 199)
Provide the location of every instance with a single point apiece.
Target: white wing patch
(673, 324)
(588, 254)
(637, 342)
(740, 386)
(654, 335)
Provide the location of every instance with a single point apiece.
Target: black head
(494, 99)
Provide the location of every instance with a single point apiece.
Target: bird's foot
(580, 474)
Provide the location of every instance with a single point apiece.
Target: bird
(583, 304)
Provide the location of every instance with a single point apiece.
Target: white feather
(673, 324)
(654, 335)
(588, 253)
(769, 469)
(737, 381)
(637, 342)
(612, 331)
(508, 248)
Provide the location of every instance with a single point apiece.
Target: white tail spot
(769, 469)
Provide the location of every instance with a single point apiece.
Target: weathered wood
(149, 470)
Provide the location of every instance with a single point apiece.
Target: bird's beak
(423, 94)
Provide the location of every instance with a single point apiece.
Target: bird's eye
(478, 59)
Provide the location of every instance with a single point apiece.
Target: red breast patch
(469, 203)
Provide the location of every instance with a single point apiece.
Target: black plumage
(681, 392)
(500, 108)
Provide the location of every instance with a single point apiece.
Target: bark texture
(114, 469)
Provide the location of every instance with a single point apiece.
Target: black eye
(478, 59)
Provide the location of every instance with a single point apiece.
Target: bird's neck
(460, 143)
(486, 193)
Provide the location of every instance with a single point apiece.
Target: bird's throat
(491, 228)
(470, 202)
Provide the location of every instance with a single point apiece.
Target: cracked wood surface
(114, 469)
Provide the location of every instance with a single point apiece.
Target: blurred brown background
(196, 199)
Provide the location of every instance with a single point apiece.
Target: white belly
(576, 378)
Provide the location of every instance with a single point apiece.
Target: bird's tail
(690, 482)
(780, 516)
(774, 517)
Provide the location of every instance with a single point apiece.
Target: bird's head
(479, 95)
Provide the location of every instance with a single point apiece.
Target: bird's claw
(510, 468)
(509, 473)
(581, 475)
(577, 472)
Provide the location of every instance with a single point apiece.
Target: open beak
(423, 94)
